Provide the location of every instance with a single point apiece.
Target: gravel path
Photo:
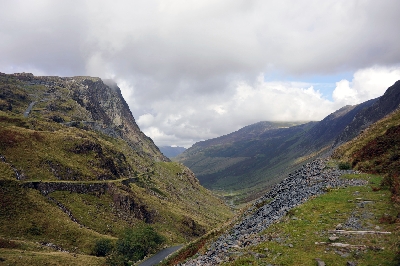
(311, 180)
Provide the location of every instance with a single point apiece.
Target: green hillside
(376, 150)
(352, 225)
(243, 164)
(307, 236)
(66, 184)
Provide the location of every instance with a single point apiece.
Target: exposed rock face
(47, 188)
(124, 204)
(93, 103)
(127, 206)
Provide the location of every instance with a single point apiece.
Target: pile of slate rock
(312, 179)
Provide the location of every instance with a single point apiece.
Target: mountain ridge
(96, 103)
(171, 151)
(250, 165)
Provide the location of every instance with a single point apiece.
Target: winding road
(158, 257)
(28, 110)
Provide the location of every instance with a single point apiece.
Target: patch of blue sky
(324, 83)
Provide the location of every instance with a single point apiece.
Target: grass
(292, 240)
(22, 257)
(346, 150)
(26, 215)
(42, 149)
(166, 190)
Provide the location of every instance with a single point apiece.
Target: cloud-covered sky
(197, 69)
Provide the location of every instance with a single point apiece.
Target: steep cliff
(92, 102)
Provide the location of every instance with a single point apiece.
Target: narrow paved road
(28, 110)
(158, 257)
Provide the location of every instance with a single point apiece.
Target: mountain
(76, 170)
(244, 163)
(87, 101)
(381, 107)
(376, 149)
(171, 152)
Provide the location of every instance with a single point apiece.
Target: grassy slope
(260, 165)
(375, 150)
(292, 240)
(39, 149)
(377, 145)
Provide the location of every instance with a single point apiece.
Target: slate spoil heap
(311, 180)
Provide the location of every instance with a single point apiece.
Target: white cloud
(190, 70)
(145, 120)
(184, 122)
(223, 113)
(366, 84)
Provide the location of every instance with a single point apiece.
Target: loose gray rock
(320, 262)
(312, 179)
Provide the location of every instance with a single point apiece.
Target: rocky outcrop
(107, 107)
(125, 205)
(98, 105)
(46, 188)
(311, 180)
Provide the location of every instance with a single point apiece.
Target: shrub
(344, 166)
(103, 247)
(135, 244)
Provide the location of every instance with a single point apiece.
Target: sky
(192, 70)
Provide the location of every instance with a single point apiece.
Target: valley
(81, 184)
(243, 164)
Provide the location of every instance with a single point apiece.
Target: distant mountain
(170, 151)
(251, 159)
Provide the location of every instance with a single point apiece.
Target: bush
(344, 166)
(135, 244)
(103, 247)
(393, 182)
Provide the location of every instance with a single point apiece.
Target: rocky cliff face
(92, 103)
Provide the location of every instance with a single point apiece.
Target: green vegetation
(376, 150)
(292, 241)
(66, 188)
(134, 245)
(344, 166)
(249, 161)
(307, 233)
(103, 247)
